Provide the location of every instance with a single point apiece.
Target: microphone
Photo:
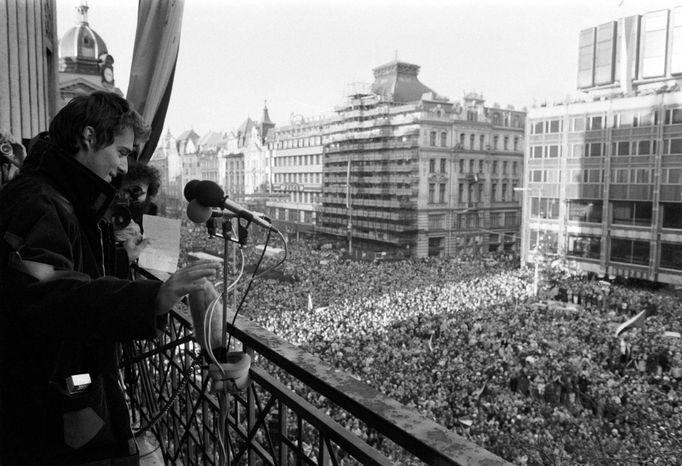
(199, 213)
(189, 190)
(209, 194)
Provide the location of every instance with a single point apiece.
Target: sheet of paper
(163, 251)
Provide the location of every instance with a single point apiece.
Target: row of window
(502, 192)
(299, 142)
(441, 164)
(298, 178)
(621, 213)
(474, 221)
(624, 250)
(482, 145)
(628, 119)
(672, 176)
(298, 160)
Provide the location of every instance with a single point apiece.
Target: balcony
(269, 423)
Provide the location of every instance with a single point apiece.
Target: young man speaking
(60, 314)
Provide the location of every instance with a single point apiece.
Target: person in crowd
(12, 155)
(61, 312)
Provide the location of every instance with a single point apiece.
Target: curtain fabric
(157, 41)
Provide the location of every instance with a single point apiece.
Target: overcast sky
(300, 55)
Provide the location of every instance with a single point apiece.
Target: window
(673, 116)
(671, 256)
(538, 128)
(432, 141)
(593, 149)
(460, 192)
(504, 167)
(553, 151)
(496, 141)
(461, 140)
(676, 55)
(471, 166)
(630, 251)
(645, 119)
(480, 166)
(586, 53)
(493, 192)
(585, 210)
(631, 213)
(653, 43)
(515, 168)
(672, 146)
(642, 176)
(443, 139)
(672, 215)
(436, 222)
(671, 176)
(516, 143)
(536, 152)
(554, 126)
(472, 139)
(436, 246)
(495, 167)
(481, 142)
(646, 147)
(432, 166)
(443, 162)
(620, 176)
(432, 192)
(595, 122)
(578, 124)
(504, 192)
(544, 207)
(585, 246)
(605, 53)
(544, 241)
(461, 165)
(621, 148)
(577, 150)
(441, 193)
(506, 143)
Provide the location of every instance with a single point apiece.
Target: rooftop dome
(81, 41)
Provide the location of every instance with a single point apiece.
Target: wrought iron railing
(291, 414)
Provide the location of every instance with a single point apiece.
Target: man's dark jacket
(61, 316)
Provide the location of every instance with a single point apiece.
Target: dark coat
(60, 316)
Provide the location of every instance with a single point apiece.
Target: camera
(125, 203)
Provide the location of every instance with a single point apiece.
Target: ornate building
(604, 174)
(85, 65)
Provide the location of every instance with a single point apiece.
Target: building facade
(297, 160)
(604, 174)
(410, 173)
(29, 63)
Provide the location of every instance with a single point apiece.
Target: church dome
(81, 40)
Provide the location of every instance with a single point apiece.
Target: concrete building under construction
(411, 173)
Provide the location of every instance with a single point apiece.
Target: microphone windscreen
(197, 212)
(209, 194)
(190, 189)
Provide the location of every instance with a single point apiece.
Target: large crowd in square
(535, 379)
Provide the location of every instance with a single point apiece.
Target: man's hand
(132, 240)
(184, 281)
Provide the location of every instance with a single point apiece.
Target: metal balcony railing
(287, 414)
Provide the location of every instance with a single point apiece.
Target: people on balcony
(60, 313)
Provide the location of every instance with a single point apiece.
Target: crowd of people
(534, 380)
